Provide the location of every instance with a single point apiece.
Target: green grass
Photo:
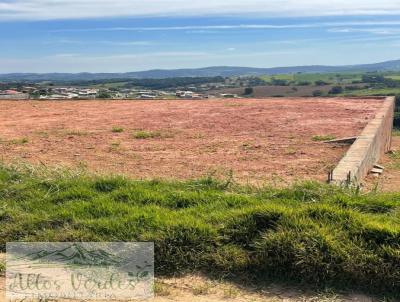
(309, 234)
(342, 79)
(144, 134)
(117, 130)
(395, 160)
(396, 132)
(374, 92)
(15, 141)
(322, 138)
(393, 77)
(332, 78)
(19, 141)
(395, 155)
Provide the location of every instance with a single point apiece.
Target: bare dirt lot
(258, 139)
(389, 181)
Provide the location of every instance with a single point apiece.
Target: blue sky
(122, 35)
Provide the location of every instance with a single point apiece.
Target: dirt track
(258, 139)
(200, 289)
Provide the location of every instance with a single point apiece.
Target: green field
(393, 76)
(311, 233)
(331, 78)
(373, 92)
(288, 77)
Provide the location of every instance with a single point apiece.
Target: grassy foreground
(310, 233)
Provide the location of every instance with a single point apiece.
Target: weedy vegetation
(2, 268)
(76, 133)
(19, 141)
(143, 134)
(161, 289)
(117, 130)
(321, 138)
(395, 160)
(309, 233)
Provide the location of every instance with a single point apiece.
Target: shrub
(104, 94)
(279, 82)
(336, 90)
(248, 91)
(317, 93)
(321, 83)
(352, 87)
(396, 121)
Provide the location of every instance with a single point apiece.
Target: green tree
(317, 93)
(248, 90)
(104, 95)
(336, 90)
(321, 83)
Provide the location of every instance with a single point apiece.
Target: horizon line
(197, 68)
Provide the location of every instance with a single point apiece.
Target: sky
(132, 35)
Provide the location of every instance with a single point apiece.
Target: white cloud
(206, 29)
(376, 31)
(105, 42)
(73, 9)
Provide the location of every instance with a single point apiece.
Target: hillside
(224, 71)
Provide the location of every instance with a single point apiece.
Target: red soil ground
(258, 139)
(389, 181)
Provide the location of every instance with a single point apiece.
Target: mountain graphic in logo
(76, 254)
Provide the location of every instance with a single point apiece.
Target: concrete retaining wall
(374, 141)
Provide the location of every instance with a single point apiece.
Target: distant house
(147, 96)
(57, 96)
(228, 95)
(13, 95)
(11, 92)
(197, 96)
(88, 93)
(73, 95)
(184, 94)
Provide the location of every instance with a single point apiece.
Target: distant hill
(224, 71)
